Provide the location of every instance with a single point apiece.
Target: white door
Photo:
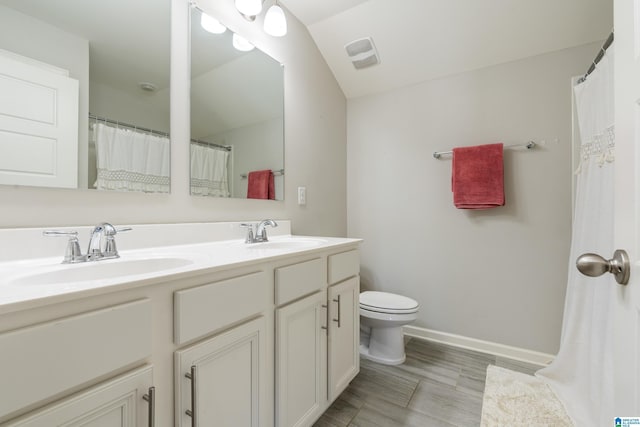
(38, 124)
(627, 232)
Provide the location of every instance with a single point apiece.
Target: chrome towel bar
(529, 145)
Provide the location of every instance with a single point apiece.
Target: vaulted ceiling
(418, 40)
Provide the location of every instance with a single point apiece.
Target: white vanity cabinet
(125, 401)
(222, 381)
(40, 362)
(301, 361)
(267, 340)
(344, 327)
(317, 335)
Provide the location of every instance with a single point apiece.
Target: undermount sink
(71, 273)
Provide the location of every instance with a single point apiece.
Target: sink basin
(108, 269)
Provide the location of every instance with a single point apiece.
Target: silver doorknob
(594, 265)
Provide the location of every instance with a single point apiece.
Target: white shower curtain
(209, 171)
(581, 375)
(129, 160)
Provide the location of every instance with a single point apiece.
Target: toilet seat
(385, 302)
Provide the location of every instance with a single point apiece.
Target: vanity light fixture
(249, 8)
(275, 23)
(211, 24)
(241, 43)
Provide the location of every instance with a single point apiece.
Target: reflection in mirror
(88, 94)
(237, 118)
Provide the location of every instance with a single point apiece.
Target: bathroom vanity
(212, 332)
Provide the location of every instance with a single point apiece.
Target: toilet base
(383, 345)
(364, 352)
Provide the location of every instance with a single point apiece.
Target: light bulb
(275, 23)
(211, 24)
(249, 7)
(241, 43)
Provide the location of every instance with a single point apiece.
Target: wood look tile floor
(438, 385)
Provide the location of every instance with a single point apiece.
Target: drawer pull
(192, 412)
(151, 398)
(338, 319)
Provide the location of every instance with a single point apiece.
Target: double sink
(147, 263)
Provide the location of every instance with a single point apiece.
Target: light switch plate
(302, 196)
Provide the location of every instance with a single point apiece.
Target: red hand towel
(261, 185)
(477, 178)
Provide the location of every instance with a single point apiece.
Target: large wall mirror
(237, 118)
(85, 87)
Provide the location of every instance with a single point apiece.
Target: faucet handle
(110, 249)
(249, 238)
(73, 253)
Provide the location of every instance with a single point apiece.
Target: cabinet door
(116, 403)
(344, 335)
(301, 360)
(222, 381)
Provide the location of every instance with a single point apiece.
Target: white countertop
(35, 282)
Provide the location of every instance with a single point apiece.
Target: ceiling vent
(362, 53)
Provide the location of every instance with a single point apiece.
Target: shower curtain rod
(598, 58)
(210, 144)
(529, 145)
(134, 127)
(152, 131)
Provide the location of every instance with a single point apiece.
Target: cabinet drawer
(344, 265)
(204, 309)
(41, 361)
(298, 280)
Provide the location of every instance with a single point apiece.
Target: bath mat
(516, 399)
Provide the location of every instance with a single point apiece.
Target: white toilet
(382, 316)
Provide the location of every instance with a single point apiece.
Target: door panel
(627, 234)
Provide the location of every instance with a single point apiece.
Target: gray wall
(315, 149)
(497, 275)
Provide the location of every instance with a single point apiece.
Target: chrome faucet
(260, 234)
(103, 231)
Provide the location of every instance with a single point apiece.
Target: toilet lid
(384, 301)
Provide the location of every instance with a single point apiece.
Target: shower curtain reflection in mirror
(131, 160)
(209, 170)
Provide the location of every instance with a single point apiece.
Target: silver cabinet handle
(594, 265)
(326, 328)
(192, 412)
(338, 319)
(151, 398)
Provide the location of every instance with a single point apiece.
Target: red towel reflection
(261, 185)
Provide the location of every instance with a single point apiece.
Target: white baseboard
(489, 347)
